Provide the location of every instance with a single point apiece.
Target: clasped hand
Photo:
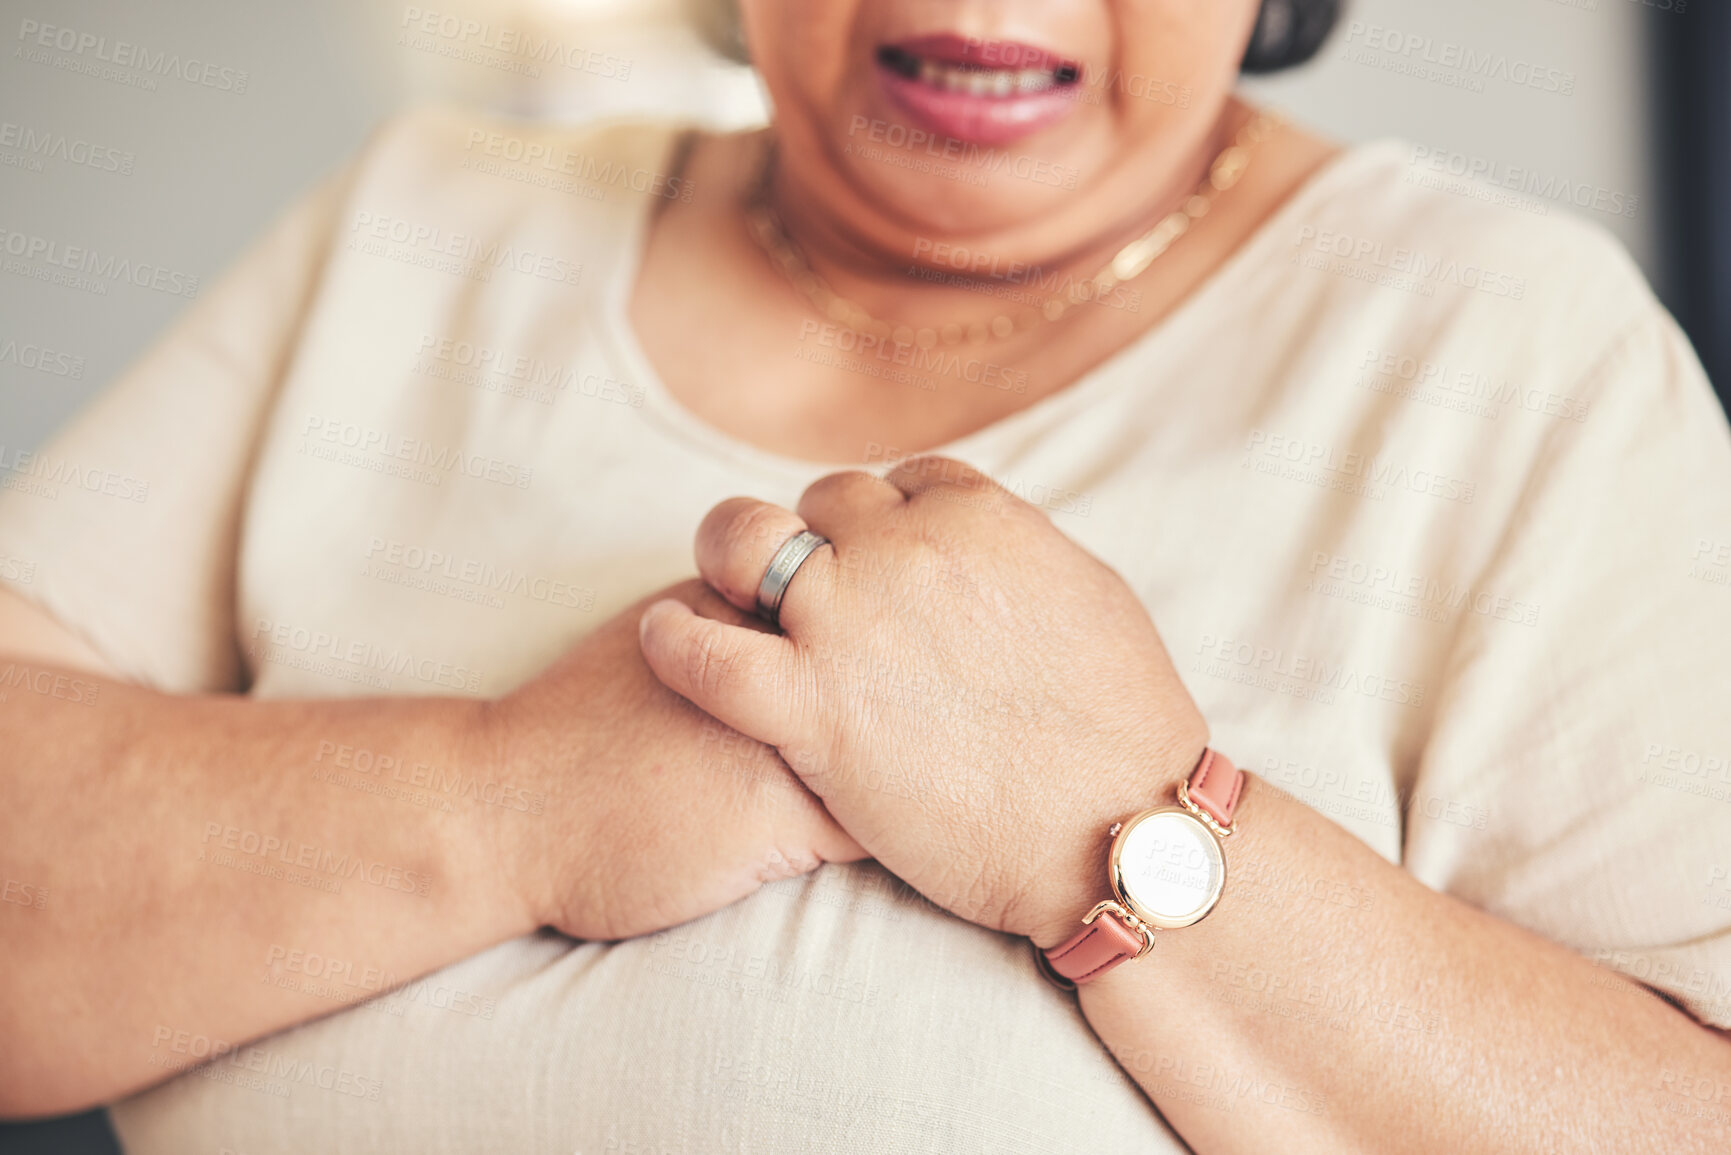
(973, 696)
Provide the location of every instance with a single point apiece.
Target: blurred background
(179, 174)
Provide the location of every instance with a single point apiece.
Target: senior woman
(380, 711)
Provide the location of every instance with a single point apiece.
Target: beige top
(1432, 505)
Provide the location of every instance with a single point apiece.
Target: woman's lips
(986, 92)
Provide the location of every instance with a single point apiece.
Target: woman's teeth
(976, 82)
(973, 80)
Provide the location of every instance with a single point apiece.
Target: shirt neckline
(673, 417)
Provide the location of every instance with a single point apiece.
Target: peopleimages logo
(1456, 62)
(584, 167)
(975, 267)
(1369, 255)
(41, 473)
(1300, 675)
(525, 50)
(1439, 167)
(452, 782)
(313, 857)
(39, 143)
(939, 361)
(472, 252)
(1417, 595)
(1358, 472)
(47, 683)
(124, 54)
(482, 365)
(27, 355)
(1462, 389)
(386, 447)
(970, 158)
(278, 640)
(177, 1050)
(84, 262)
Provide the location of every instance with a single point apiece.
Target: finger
(708, 604)
(917, 475)
(738, 676)
(839, 846)
(830, 842)
(831, 503)
(737, 541)
(828, 839)
(797, 814)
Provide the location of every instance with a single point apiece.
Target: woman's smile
(988, 92)
(1005, 122)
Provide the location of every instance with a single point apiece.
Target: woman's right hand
(656, 813)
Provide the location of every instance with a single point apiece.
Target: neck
(877, 278)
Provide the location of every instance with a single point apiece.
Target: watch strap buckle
(1108, 906)
(1102, 944)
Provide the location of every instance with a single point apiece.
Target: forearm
(188, 856)
(1334, 1001)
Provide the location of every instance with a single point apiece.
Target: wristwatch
(1167, 867)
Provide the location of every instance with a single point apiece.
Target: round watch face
(1168, 868)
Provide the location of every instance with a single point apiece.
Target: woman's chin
(949, 185)
(953, 203)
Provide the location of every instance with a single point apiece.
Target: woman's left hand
(974, 696)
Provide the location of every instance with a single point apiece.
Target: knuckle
(842, 487)
(778, 864)
(757, 530)
(828, 484)
(934, 471)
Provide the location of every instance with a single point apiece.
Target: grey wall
(209, 167)
(1579, 130)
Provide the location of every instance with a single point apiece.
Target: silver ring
(782, 567)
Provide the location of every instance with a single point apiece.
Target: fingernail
(654, 609)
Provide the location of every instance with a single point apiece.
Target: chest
(746, 351)
(414, 529)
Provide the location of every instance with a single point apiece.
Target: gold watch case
(1167, 867)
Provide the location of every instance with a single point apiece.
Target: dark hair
(1288, 32)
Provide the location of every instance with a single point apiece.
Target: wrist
(506, 821)
(1077, 878)
(1061, 916)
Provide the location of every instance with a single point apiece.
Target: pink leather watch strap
(1102, 945)
(1214, 786)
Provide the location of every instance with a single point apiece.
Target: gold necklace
(1129, 263)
